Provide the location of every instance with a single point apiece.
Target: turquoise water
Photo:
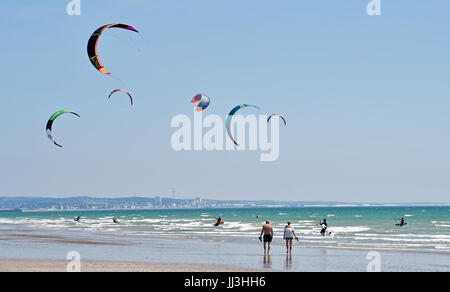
(352, 227)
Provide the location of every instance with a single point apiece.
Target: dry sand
(15, 265)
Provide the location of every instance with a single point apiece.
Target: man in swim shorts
(267, 231)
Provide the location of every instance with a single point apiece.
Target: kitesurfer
(219, 221)
(402, 222)
(115, 220)
(324, 225)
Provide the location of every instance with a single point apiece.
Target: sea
(362, 228)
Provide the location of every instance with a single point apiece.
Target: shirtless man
(267, 231)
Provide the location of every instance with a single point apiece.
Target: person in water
(78, 219)
(402, 222)
(219, 220)
(289, 235)
(267, 234)
(324, 225)
(115, 220)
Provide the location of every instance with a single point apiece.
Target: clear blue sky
(366, 98)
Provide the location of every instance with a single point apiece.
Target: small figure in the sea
(115, 220)
(402, 222)
(266, 236)
(324, 225)
(219, 222)
(289, 235)
(77, 219)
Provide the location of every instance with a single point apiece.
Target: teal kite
(230, 117)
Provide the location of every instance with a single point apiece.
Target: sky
(366, 98)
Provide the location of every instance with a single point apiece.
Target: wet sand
(22, 249)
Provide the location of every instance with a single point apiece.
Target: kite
(273, 115)
(230, 117)
(123, 90)
(50, 124)
(203, 100)
(93, 42)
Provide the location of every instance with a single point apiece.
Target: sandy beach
(25, 250)
(20, 265)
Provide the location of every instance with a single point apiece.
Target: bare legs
(267, 249)
(288, 245)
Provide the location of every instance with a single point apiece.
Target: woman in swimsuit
(289, 235)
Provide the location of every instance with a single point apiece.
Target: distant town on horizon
(144, 203)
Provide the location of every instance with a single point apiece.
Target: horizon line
(231, 200)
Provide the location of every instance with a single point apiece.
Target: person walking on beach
(289, 235)
(267, 231)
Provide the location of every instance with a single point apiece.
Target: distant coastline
(43, 204)
(10, 210)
